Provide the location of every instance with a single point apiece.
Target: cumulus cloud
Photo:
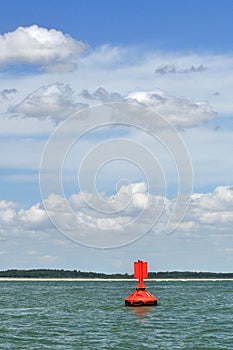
(215, 208)
(208, 213)
(171, 69)
(180, 111)
(54, 101)
(34, 218)
(48, 49)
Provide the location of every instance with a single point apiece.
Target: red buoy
(141, 297)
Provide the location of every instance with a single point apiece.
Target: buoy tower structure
(141, 296)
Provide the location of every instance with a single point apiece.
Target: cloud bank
(56, 102)
(210, 213)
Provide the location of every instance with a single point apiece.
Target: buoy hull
(141, 298)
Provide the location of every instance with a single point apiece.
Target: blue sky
(174, 25)
(171, 57)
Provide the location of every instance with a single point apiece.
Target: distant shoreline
(77, 275)
(4, 279)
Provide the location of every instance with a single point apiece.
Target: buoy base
(141, 297)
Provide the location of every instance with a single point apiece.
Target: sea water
(92, 315)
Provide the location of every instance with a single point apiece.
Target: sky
(116, 135)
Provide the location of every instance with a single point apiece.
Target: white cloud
(39, 46)
(208, 213)
(215, 208)
(198, 76)
(54, 101)
(34, 218)
(123, 69)
(178, 110)
(203, 241)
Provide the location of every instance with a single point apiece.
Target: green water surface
(92, 315)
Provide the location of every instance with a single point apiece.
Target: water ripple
(89, 315)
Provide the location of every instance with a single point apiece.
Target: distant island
(54, 273)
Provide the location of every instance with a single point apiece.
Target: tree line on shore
(54, 273)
